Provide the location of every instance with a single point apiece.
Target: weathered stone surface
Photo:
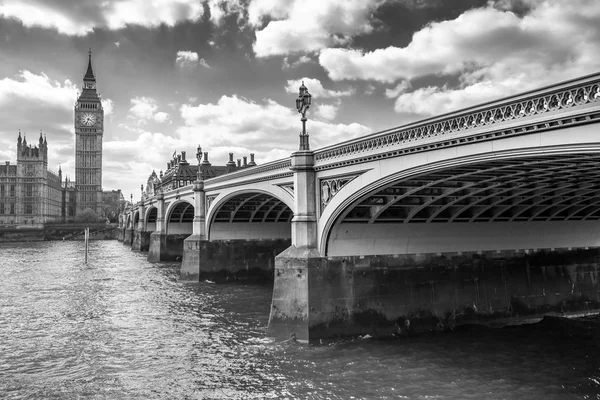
(128, 237)
(293, 303)
(383, 295)
(223, 260)
(165, 247)
(141, 240)
(190, 264)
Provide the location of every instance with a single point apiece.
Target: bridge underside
(253, 207)
(539, 188)
(180, 220)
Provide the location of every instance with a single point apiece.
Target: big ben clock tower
(89, 128)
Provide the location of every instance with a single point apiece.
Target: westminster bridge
(480, 215)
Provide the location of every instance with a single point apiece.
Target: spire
(89, 74)
(19, 140)
(41, 137)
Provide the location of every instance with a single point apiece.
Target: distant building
(180, 172)
(30, 194)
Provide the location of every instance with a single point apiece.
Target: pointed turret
(89, 74)
(41, 138)
(19, 139)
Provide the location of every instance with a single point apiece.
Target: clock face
(88, 119)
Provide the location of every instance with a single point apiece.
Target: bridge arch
(179, 218)
(150, 217)
(128, 221)
(532, 186)
(136, 219)
(250, 214)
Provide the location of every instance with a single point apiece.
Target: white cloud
(117, 43)
(267, 128)
(144, 109)
(299, 61)
(493, 52)
(307, 25)
(119, 14)
(38, 88)
(327, 111)
(221, 8)
(113, 14)
(400, 88)
(190, 59)
(315, 88)
(108, 105)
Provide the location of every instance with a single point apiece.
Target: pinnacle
(89, 74)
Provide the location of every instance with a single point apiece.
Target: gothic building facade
(30, 194)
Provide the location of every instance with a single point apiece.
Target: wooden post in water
(87, 238)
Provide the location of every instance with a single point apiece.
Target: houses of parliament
(31, 194)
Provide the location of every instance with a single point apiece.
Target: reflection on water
(122, 328)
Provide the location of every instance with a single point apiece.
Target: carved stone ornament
(331, 187)
(209, 200)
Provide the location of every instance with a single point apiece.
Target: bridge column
(128, 233)
(121, 229)
(141, 239)
(299, 270)
(190, 264)
(158, 238)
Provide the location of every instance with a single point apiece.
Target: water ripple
(122, 328)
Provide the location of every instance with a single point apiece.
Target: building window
(1, 208)
(1, 190)
(28, 209)
(12, 208)
(12, 192)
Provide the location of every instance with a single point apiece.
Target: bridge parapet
(538, 109)
(254, 174)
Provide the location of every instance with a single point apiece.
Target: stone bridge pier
(141, 237)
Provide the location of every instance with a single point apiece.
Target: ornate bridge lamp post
(302, 105)
(200, 175)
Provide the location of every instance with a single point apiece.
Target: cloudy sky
(225, 73)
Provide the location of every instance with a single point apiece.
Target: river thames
(122, 328)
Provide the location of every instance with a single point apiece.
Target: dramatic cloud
(190, 59)
(315, 88)
(493, 51)
(307, 25)
(113, 14)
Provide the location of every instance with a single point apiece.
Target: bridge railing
(575, 93)
(269, 167)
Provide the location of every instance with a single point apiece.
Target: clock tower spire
(89, 130)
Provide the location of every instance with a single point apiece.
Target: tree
(87, 215)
